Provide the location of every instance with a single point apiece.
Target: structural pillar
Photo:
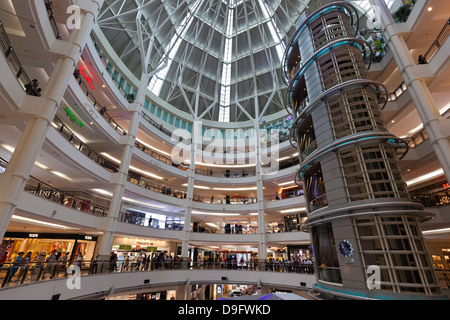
(120, 178)
(196, 141)
(14, 179)
(262, 248)
(420, 94)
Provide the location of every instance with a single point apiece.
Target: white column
(30, 143)
(420, 94)
(262, 251)
(120, 178)
(196, 141)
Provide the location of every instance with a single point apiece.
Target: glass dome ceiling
(218, 59)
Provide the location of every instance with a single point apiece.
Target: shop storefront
(236, 259)
(132, 247)
(299, 252)
(15, 242)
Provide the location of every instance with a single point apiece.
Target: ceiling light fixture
(425, 177)
(235, 189)
(293, 210)
(216, 213)
(149, 174)
(34, 221)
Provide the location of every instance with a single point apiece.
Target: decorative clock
(345, 248)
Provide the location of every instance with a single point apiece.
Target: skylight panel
(157, 80)
(274, 31)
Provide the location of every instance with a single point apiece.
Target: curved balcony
(97, 280)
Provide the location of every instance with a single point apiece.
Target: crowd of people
(33, 89)
(143, 262)
(41, 266)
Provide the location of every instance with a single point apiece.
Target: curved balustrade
(82, 147)
(51, 16)
(14, 63)
(14, 274)
(177, 224)
(144, 183)
(101, 109)
(76, 200)
(433, 200)
(85, 204)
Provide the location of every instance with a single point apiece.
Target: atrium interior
(232, 149)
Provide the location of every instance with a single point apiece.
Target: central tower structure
(364, 229)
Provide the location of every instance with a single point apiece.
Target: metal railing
(15, 274)
(145, 183)
(14, 62)
(80, 201)
(317, 203)
(433, 200)
(101, 109)
(444, 278)
(51, 16)
(65, 198)
(82, 147)
(285, 195)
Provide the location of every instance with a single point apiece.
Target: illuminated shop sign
(89, 80)
(73, 117)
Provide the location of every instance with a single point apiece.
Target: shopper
(78, 260)
(126, 263)
(58, 266)
(138, 262)
(3, 258)
(39, 264)
(16, 265)
(95, 263)
(24, 265)
(112, 262)
(50, 263)
(422, 60)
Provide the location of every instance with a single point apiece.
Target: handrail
(66, 198)
(82, 147)
(437, 44)
(16, 274)
(429, 55)
(433, 200)
(14, 62)
(49, 7)
(101, 109)
(142, 182)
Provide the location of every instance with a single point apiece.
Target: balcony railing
(433, 200)
(14, 63)
(16, 274)
(101, 109)
(317, 203)
(82, 147)
(65, 198)
(51, 16)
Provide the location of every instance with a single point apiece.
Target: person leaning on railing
(32, 88)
